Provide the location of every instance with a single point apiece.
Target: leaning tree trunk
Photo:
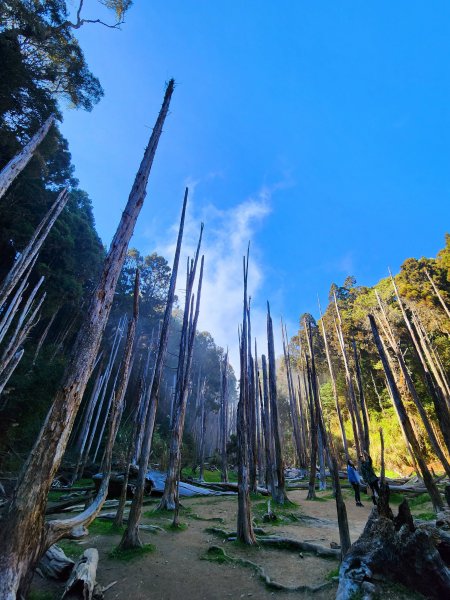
(438, 294)
(29, 253)
(362, 399)
(295, 420)
(131, 537)
(22, 535)
(406, 423)
(17, 164)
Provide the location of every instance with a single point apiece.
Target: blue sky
(320, 131)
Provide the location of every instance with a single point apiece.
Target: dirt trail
(175, 570)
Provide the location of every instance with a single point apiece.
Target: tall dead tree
(406, 423)
(188, 331)
(17, 164)
(434, 387)
(353, 405)
(131, 537)
(279, 489)
(31, 250)
(362, 399)
(438, 294)
(267, 430)
(224, 416)
(259, 425)
(334, 386)
(23, 537)
(412, 389)
(295, 420)
(245, 532)
(252, 451)
(201, 453)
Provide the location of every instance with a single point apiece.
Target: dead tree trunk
(279, 491)
(433, 386)
(251, 408)
(17, 164)
(406, 424)
(438, 294)
(295, 420)
(314, 434)
(245, 532)
(29, 254)
(259, 425)
(362, 399)
(334, 387)
(130, 537)
(44, 337)
(202, 432)
(23, 538)
(358, 431)
(412, 390)
(268, 441)
(344, 532)
(224, 417)
(190, 318)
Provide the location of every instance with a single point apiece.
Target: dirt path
(175, 571)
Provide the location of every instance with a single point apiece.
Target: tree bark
(406, 424)
(17, 164)
(224, 417)
(131, 537)
(22, 536)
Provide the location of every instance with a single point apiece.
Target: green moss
(419, 500)
(216, 554)
(197, 517)
(426, 516)
(54, 496)
(70, 548)
(332, 574)
(101, 527)
(83, 483)
(176, 529)
(131, 553)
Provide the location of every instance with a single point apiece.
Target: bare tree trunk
(334, 387)
(28, 255)
(362, 399)
(251, 407)
(292, 400)
(224, 417)
(44, 337)
(17, 164)
(279, 495)
(438, 294)
(427, 477)
(344, 532)
(130, 537)
(358, 430)
(412, 390)
(22, 537)
(202, 432)
(245, 532)
(434, 387)
(183, 378)
(268, 442)
(259, 425)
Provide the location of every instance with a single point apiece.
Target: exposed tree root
(217, 554)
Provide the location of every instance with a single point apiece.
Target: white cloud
(226, 236)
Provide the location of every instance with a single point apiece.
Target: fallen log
(62, 506)
(82, 580)
(393, 549)
(55, 564)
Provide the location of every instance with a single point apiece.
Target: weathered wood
(393, 551)
(55, 564)
(279, 492)
(406, 423)
(188, 332)
(17, 164)
(23, 535)
(131, 537)
(83, 577)
(245, 533)
(438, 294)
(29, 253)
(362, 399)
(224, 416)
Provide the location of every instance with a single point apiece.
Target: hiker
(368, 474)
(354, 479)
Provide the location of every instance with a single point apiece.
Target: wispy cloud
(226, 236)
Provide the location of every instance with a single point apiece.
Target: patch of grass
(70, 548)
(426, 516)
(332, 574)
(54, 496)
(171, 527)
(396, 498)
(419, 500)
(101, 527)
(131, 553)
(209, 476)
(83, 483)
(216, 554)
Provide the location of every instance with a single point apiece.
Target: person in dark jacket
(368, 474)
(354, 479)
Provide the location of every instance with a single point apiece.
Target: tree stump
(55, 564)
(82, 580)
(393, 549)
